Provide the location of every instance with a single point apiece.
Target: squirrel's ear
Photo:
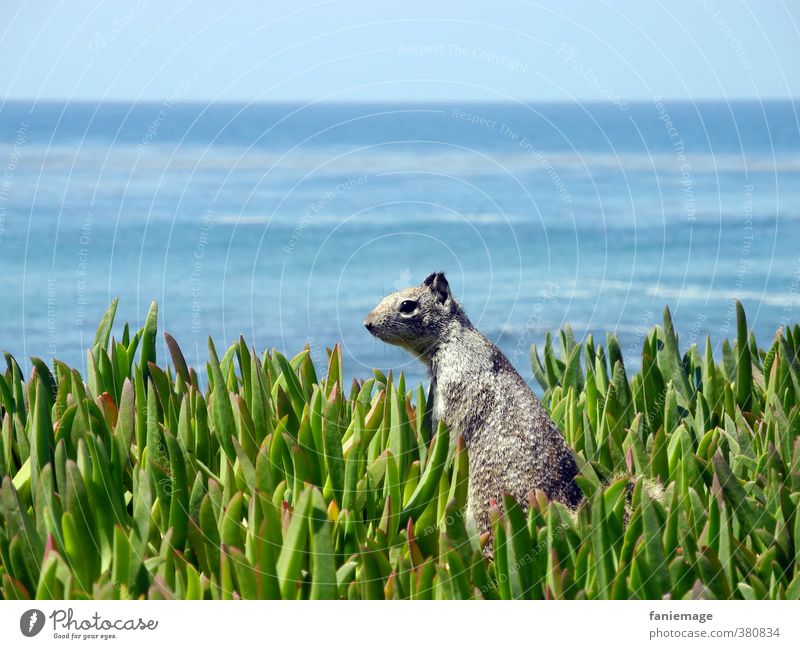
(429, 279)
(437, 282)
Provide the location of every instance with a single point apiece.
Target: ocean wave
(692, 292)
(327, 220)
(700, 293)
(385, 159)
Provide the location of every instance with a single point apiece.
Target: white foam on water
(700, 293)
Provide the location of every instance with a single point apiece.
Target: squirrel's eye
(408, 306)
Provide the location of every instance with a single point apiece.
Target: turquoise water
(287, 223)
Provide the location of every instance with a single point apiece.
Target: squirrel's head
(418, 317)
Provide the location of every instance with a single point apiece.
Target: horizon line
(398, 102)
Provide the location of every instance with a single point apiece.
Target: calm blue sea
(287, 223)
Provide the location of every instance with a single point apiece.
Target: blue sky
(399, 51)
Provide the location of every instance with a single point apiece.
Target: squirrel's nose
(368, 324)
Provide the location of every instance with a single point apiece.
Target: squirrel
(513, 445)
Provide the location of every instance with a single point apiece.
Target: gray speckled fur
(513, 445)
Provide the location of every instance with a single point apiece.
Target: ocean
(287, 223)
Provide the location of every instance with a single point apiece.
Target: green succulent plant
(276, 482)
